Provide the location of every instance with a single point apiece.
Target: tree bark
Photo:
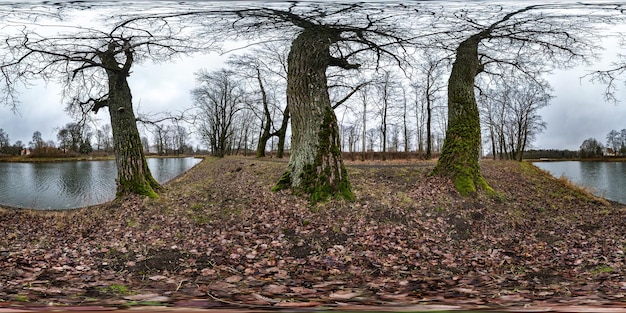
(282, 133)
(459, 156)
(315, 165)
(133, 174)
(265, 135)
(460, 153)
(429, 135)
(364, 130)
(405, 128)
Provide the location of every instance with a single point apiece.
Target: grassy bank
(219, 235)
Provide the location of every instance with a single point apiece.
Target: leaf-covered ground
(219, 237)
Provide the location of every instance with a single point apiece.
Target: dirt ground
(218, 238)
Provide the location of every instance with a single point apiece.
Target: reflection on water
(64, 185)
(604, 179)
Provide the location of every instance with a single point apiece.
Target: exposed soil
(219, 237)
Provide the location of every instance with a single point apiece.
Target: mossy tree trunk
(133, 174)
(315, 165)
(461, 148)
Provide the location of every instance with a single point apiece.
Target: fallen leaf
(343, 295)
(265, 299)
(302, 290)
(233, 279)
(275, 289)
(286, 304)
(220, 285)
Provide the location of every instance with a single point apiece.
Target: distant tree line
(6, 148)
(75, 139)
(167, 140)
(536, 154)
(591, 148)
(615, 146)
(72, 139)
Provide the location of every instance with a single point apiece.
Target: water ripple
(66, 185)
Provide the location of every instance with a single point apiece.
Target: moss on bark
(315, 166)
(144, 188)
(284, 182)
(461, 148)
(133, 174)
(326, 177)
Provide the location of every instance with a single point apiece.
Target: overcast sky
(577, 112)
(156, 88)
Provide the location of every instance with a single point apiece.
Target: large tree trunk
(133, 174)
(459, 156)
(315, 165)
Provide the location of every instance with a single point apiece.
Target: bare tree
(591, 148)
(364, 97)
(242, 134)
(525, 39)
(108, 138)
(94, 66)
(37, 142)
(351, 137)
(611, 76)
(74, 135)
(407, 132)
(526, 120)
(161, 134)
(387, 88)
(145, 144)
(324, 39)
(4, 141)
(265, 69)
(430, 87)
(180, 138)
(510, 110)
(614, 140)
(219, 98)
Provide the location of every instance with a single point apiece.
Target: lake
(73, 184)
(604, 179)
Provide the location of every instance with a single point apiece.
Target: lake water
(74, 184)
(604, 179)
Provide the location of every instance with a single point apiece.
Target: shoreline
(604, 159)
